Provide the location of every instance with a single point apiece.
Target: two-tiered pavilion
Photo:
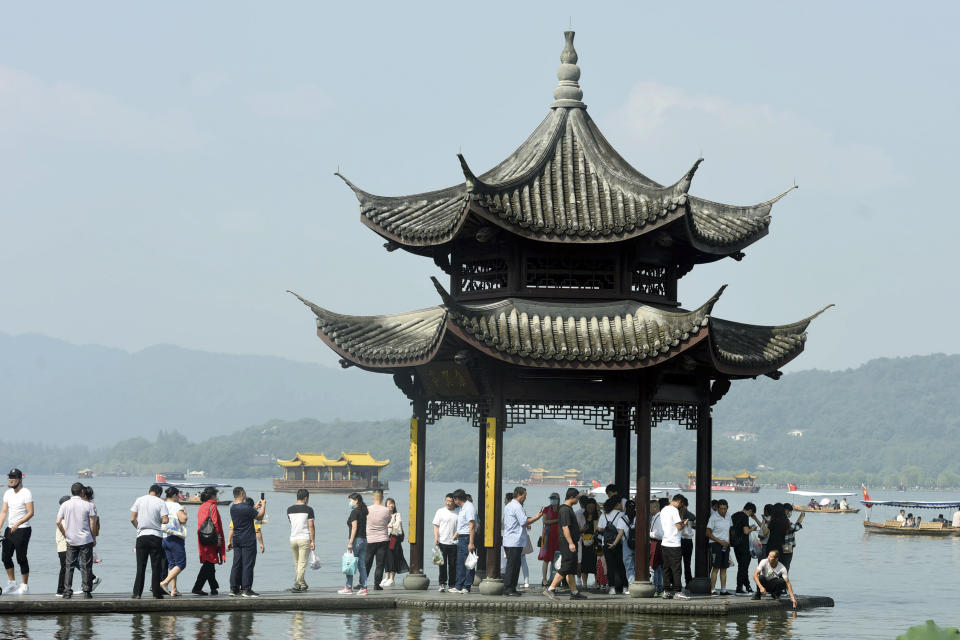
(563, 263)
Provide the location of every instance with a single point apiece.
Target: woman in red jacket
(210, 554)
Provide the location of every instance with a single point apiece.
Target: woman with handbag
(396, 563)
(549, 541)
(356, 546)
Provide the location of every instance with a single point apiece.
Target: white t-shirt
(780, 571)
(720, 526)
(619, 522)
(669, 519)
(16, 502)
(173, 522)
(446, 521)
(150, 511)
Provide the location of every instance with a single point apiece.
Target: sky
(166, 170)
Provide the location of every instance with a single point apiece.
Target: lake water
(881, 585)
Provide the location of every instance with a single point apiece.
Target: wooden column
(415, 532)
(621, 458)
(704, 484)
(479, 498)
(641, 556)
(492, 495)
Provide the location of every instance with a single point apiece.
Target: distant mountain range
(53, 391)
(886, 422)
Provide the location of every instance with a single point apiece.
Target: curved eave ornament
(624, 335)
(565, 184)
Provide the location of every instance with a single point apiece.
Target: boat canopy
(911, 504)
(817, 494)
(193, 485)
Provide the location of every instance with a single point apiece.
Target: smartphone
(261, 495)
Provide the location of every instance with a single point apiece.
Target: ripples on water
(391, 624)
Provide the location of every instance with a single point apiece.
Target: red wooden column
(416, 579)
(701, 581)
(641, 587)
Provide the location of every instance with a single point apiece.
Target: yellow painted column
(490, 497)
(412, 532)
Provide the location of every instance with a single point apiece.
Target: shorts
(719, 556)
(175, 550)
(568, 563)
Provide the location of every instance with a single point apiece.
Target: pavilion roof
(566, 183)
(321, 460)
(608, 335)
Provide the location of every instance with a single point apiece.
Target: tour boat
(194, 499)
(823, 506)
(744, 482)
(930, 529)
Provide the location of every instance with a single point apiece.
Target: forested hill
(888, 421)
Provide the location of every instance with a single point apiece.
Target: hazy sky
(166, 170)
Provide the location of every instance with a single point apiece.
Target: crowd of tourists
(579, 537)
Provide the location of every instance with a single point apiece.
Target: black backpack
(207, 533)
(610, 530)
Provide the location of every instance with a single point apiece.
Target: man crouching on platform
(771, 577)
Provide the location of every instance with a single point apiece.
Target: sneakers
(23, 590)
(442, 589)
(681, 596)
(668, 595)
(453, 590)
(658, 594)
(577, 596)
(346, 591)
(626, 592)
(96, 583)
(362, 592)
(550, 593)
(526, 584)
(10, 587)
(724, 593)
(386, 582)
(611, 591)
(249, 593)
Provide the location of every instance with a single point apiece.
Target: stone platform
(533, 602)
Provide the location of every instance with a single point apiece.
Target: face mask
(554, 502)
(352, 506)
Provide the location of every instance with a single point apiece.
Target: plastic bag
(349, 564)
(471, 561)
(558, 561)
(314, 561)
(437, 556)
(756, 549)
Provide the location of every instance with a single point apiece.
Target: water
(881, 585)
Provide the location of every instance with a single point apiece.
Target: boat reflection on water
(391, 624)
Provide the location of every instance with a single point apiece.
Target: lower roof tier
(591, 335)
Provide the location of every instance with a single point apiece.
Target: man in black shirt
(243, 541)
(568, 539)
(740, 542)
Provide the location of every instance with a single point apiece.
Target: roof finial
(568, 92)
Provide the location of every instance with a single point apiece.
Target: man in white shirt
(444, 533)
(77, 522)
(148, 515)
(901, 517)
(466, 536)
(771, 577)
(718, 531)
(515, 523)
(17, 510)
(671, 523)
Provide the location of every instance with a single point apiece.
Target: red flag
(791, 486)
(866, 496)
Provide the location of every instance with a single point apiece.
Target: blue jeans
(464, 575)
(628, 562)
(360, 553)
(658, 579)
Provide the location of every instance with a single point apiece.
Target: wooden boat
(744, 482)
(809, 509)
(931, 529)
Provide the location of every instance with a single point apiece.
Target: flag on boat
(791, 486)
(866, 496)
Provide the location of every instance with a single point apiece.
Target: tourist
(303, 535)
(902, 518)
(613, 527)
(569, 534)
(148, 515)
(88, 496)
(549, 540)
(740, 542)
(444, 534)
(718, 531)
(778, 528)
(686, 542)
(630, 515)
(671, 524)
(771, 577)
(516, 540)
(844, 505)
(357, 543)
(656, 550)
(62, 554)
(763, 535)
(917, 523)
(956, 518)
(507, 499)
(588, 536)
(211, 546)
(17, 510)
(908, 522)
(813, 504)
(466, 540)
(396, 562)
(174, 539)
(243, 541)
(790, 540)
(378, 539)
(76, 522)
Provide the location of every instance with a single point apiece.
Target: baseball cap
(15, 473)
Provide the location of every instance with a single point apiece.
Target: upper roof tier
(566, 183)
(601, 335)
